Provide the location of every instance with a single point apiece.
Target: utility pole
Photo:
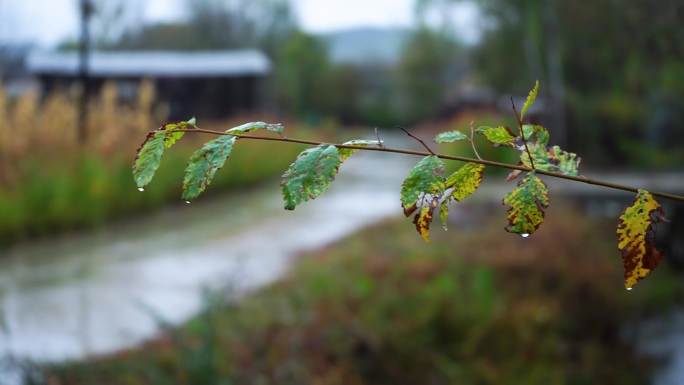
(86, 11)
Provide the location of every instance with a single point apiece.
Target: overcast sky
(48, 22)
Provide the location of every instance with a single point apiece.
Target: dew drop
(525, 235)
(141, 189)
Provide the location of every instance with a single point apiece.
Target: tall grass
(50, 181)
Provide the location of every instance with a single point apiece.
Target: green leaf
(450, 137)
(425, 177)
(249, 127)
(149, 155)
(498, 135)
(148, 158)
(345, 153)
(465, 181)
(527, 203)
(204, 164)
(635, 238)
(531, 98)
(310, 175)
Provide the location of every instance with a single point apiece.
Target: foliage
(427, 64)
(381, 307)
(425, 188)
(50, 183)
(450, 137)
(635, 238)
(606, 64)
(527, 203)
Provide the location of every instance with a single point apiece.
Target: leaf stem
(419, 140)
(472, 140)
(522, 133)
(485, 162)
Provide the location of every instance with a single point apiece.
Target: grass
(477, 306)
(50, 182)
(85, 189)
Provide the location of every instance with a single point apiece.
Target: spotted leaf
(635, 238)
(526, 205)
(204, 164)
(498, 135)
(465, 181)
(450, 137)
(310, 175)
(425, 178)
(172, 135)
(423, 218)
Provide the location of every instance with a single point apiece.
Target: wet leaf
(345, 153)
(253, 126)
(635, 238)
(527, 203)
(148, 158)
(204, 164)
(465, 181)
(531, 98)
(498, 135)
(450, 137)
(425, 178)
(310, 175)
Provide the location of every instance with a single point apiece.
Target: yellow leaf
(465, 181)
(639, 254)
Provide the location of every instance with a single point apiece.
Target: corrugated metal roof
(154, 63)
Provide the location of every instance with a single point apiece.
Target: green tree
(302, 76)
(426, 69)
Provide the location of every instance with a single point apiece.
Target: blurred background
(103, 284)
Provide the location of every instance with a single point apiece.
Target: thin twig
(381, 143)
(419, 140)
(522, 133)
(472, 140)
(492, 163)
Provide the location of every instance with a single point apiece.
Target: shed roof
(154, 63)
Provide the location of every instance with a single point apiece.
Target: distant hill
(366, 45)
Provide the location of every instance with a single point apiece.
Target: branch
(472, 141)
(492, 163)
(522, 134)
(419, 140)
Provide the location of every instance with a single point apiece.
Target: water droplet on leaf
(141, 189)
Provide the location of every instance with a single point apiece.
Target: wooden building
(211, 84)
